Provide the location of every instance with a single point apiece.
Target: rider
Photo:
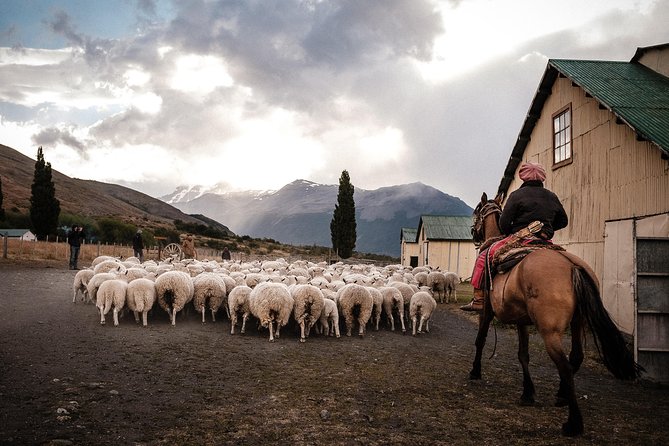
(531, 202)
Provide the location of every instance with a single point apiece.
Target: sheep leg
(174, 317)
(233, 321)
(213, 315)
(136, 313)
(427, 325)
(404, 330)
(420, 325)
(413, 321)
(348, 319)
(115, 313)
(244, 318)
(145, 317)
(302, 329)
(361, 328)
(102, 316)
(335, 323)
(271, 331)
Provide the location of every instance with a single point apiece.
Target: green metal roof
(446, 227)
(408, 235)
(635, 94)
(13, 232)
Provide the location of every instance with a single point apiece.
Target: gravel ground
(65, 379)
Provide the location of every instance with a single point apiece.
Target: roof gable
(635, 94)
(409, 235)
(445, 227)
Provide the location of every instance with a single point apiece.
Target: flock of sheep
(271, 292)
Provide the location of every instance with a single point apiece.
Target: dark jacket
(137, 242)
(74, 238)
(529, 203)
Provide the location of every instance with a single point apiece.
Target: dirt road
(65, 379)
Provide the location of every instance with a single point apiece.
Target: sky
(254, 94)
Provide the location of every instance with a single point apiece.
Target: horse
(552, 290)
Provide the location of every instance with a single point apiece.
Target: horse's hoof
(571, 431)
(561, 401)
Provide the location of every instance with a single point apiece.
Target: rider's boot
(476, 304)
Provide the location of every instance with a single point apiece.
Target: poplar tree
(44, 207)
(342, 226)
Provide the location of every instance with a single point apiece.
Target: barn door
(652, 290)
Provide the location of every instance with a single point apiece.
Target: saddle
(515, 249)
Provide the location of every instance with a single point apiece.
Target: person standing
(138, 245)
(225, 255)
(188, 247)
(74, 238)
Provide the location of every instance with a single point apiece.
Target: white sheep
(140, 297)
(174, 289)
(111, 294)
(407, 291)
(272, 304)
(307, 307)
(208, 290)
(80, 285)
(452, 281)
(393, 302)
(377, 308)
(95, 282)
(108, 266)
(421, 278)
(352, 299)
(436, 281)
(329, 319)
(424, 304)
(238, 302)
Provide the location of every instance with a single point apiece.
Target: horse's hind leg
(574, 424)
(527, 398)
(575, 360)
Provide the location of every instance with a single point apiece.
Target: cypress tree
(342, 226)
(44, 207)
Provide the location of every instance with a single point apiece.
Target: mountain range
(85, 197)
(300, 212)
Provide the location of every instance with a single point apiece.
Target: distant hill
(300, 212)
(85, 197)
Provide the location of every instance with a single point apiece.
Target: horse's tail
(610, 343)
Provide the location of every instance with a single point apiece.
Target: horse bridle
(482, 211)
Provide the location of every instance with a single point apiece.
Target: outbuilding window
(562, 137)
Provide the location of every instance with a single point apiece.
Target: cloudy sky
(253, 94)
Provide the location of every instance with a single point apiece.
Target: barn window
(562, 136)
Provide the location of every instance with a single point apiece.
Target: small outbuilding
(445, 242)
(409, 250)
(21, 234)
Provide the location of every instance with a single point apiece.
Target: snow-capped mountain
(300, 212)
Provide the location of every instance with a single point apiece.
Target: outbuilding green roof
(446, 227)
(635, 94)
(408, 235)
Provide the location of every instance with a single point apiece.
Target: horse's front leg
(484, 323)
(527, 398)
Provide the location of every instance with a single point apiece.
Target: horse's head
(486, 217)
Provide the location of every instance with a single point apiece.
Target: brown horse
(552, 290)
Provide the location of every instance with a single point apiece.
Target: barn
(445, 242)
(601, 130)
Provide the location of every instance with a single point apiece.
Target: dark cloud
(53, 135)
